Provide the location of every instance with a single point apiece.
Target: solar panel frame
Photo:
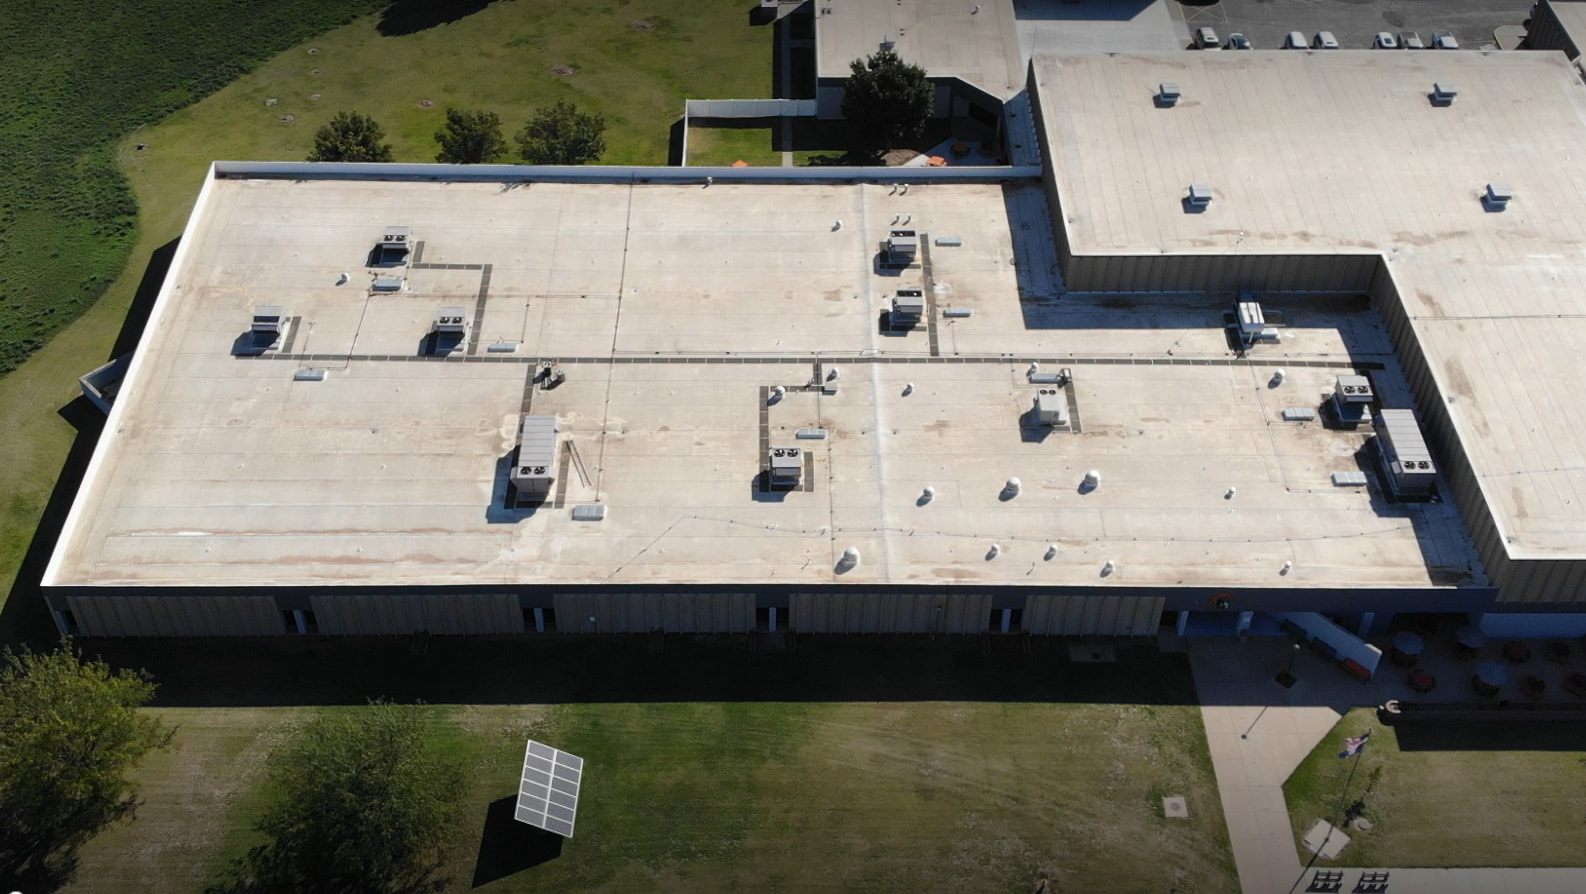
(548, 789)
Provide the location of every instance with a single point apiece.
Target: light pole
(1286, 679)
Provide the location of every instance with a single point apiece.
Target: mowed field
(1505, 793)
(632, 62)
(926, 796)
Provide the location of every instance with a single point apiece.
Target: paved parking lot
(1354, 23)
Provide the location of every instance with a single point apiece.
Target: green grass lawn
(723, 144)
(928, 796)
(1451, 794)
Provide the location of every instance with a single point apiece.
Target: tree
(69, 732)
(350, 136)
(360, 804)
(470, 138)
(562, 135)
(886, 101)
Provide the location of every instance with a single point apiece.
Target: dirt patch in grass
(1490, 796)
(561, 71)
(641, 25)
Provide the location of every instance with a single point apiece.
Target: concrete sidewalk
(1258, 732)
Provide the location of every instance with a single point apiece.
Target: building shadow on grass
(24, 620)
(508, 847)
(411, 16)
(1498, 733)
(559, 669)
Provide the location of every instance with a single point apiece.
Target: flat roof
(974, 42)
(673, 309)
(1342, 151)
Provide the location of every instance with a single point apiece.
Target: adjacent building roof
(974, 42)
(1344, 152)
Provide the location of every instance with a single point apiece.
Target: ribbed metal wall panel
(641, 612)
(175, 615)
(1200, 272)
(1546, 32)
(397, 614)
(1093, 615)
(889, 612)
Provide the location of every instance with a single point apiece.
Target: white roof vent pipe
(1278, 376)
(832, 374)
(1051, 551)
(928, 494)
(908, 389)
(1013, 485)
(992, 553)
(777, 393)
(1108, 568)
(1092, 480)
(850, 559)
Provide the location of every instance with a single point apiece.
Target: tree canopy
(470, 138)
(69, 732)
(350, 136)
(562, 135)
(886, 101)
(359, 803)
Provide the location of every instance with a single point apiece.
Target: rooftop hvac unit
(1167, 94)
(1252, 322)
(901, 247)
(269, 319)
(1200, 194)
(786, 465)
(1353, 390)
(1406, 462)
(908, 307)
(451, 321)
(534, 469)
(1051, 406)
(1443, 93)
(388, 284)
(396, 238)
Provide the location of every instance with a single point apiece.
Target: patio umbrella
(1493, 673)
(740, 163)
(1409, 643)
(1470, 637)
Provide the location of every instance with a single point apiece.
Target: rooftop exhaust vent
(1497, 196)
(1167, 94)
(1200, 194)
(387, 284)
(1443, 93)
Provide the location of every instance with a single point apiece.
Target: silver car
(1325, 41)
(1444, 40)
(1385, 41)
(1295, 41)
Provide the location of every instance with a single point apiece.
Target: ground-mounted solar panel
(548, 792)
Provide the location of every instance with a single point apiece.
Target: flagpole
(1331, 826)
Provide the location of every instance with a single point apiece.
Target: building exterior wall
(163, 614)
(641, 612)
(1100, 615)
(897, 612)
(402, 614)
(1546, 32)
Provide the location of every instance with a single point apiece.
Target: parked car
(1237, 41)
(1444, 40)
(1295, 41)
(1385, 41)
(1207, 39)
(1411, 41)
(1325, 41)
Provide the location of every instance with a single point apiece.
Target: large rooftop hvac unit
(269, 319)
(1406, 461)
(395, 242)
(534, 471)
(1352, 398)
(908, 307)
(451, 321)
(786, 466)
(1051, 406)
(901, 247)
(1252, 322)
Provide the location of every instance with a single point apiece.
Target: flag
(1355, 744)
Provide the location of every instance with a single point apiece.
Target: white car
(1325, 41)
(1295, 41)
(1385, 41)
(1206, 39)
(1444, 40)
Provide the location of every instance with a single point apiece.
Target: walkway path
(1258, 732)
